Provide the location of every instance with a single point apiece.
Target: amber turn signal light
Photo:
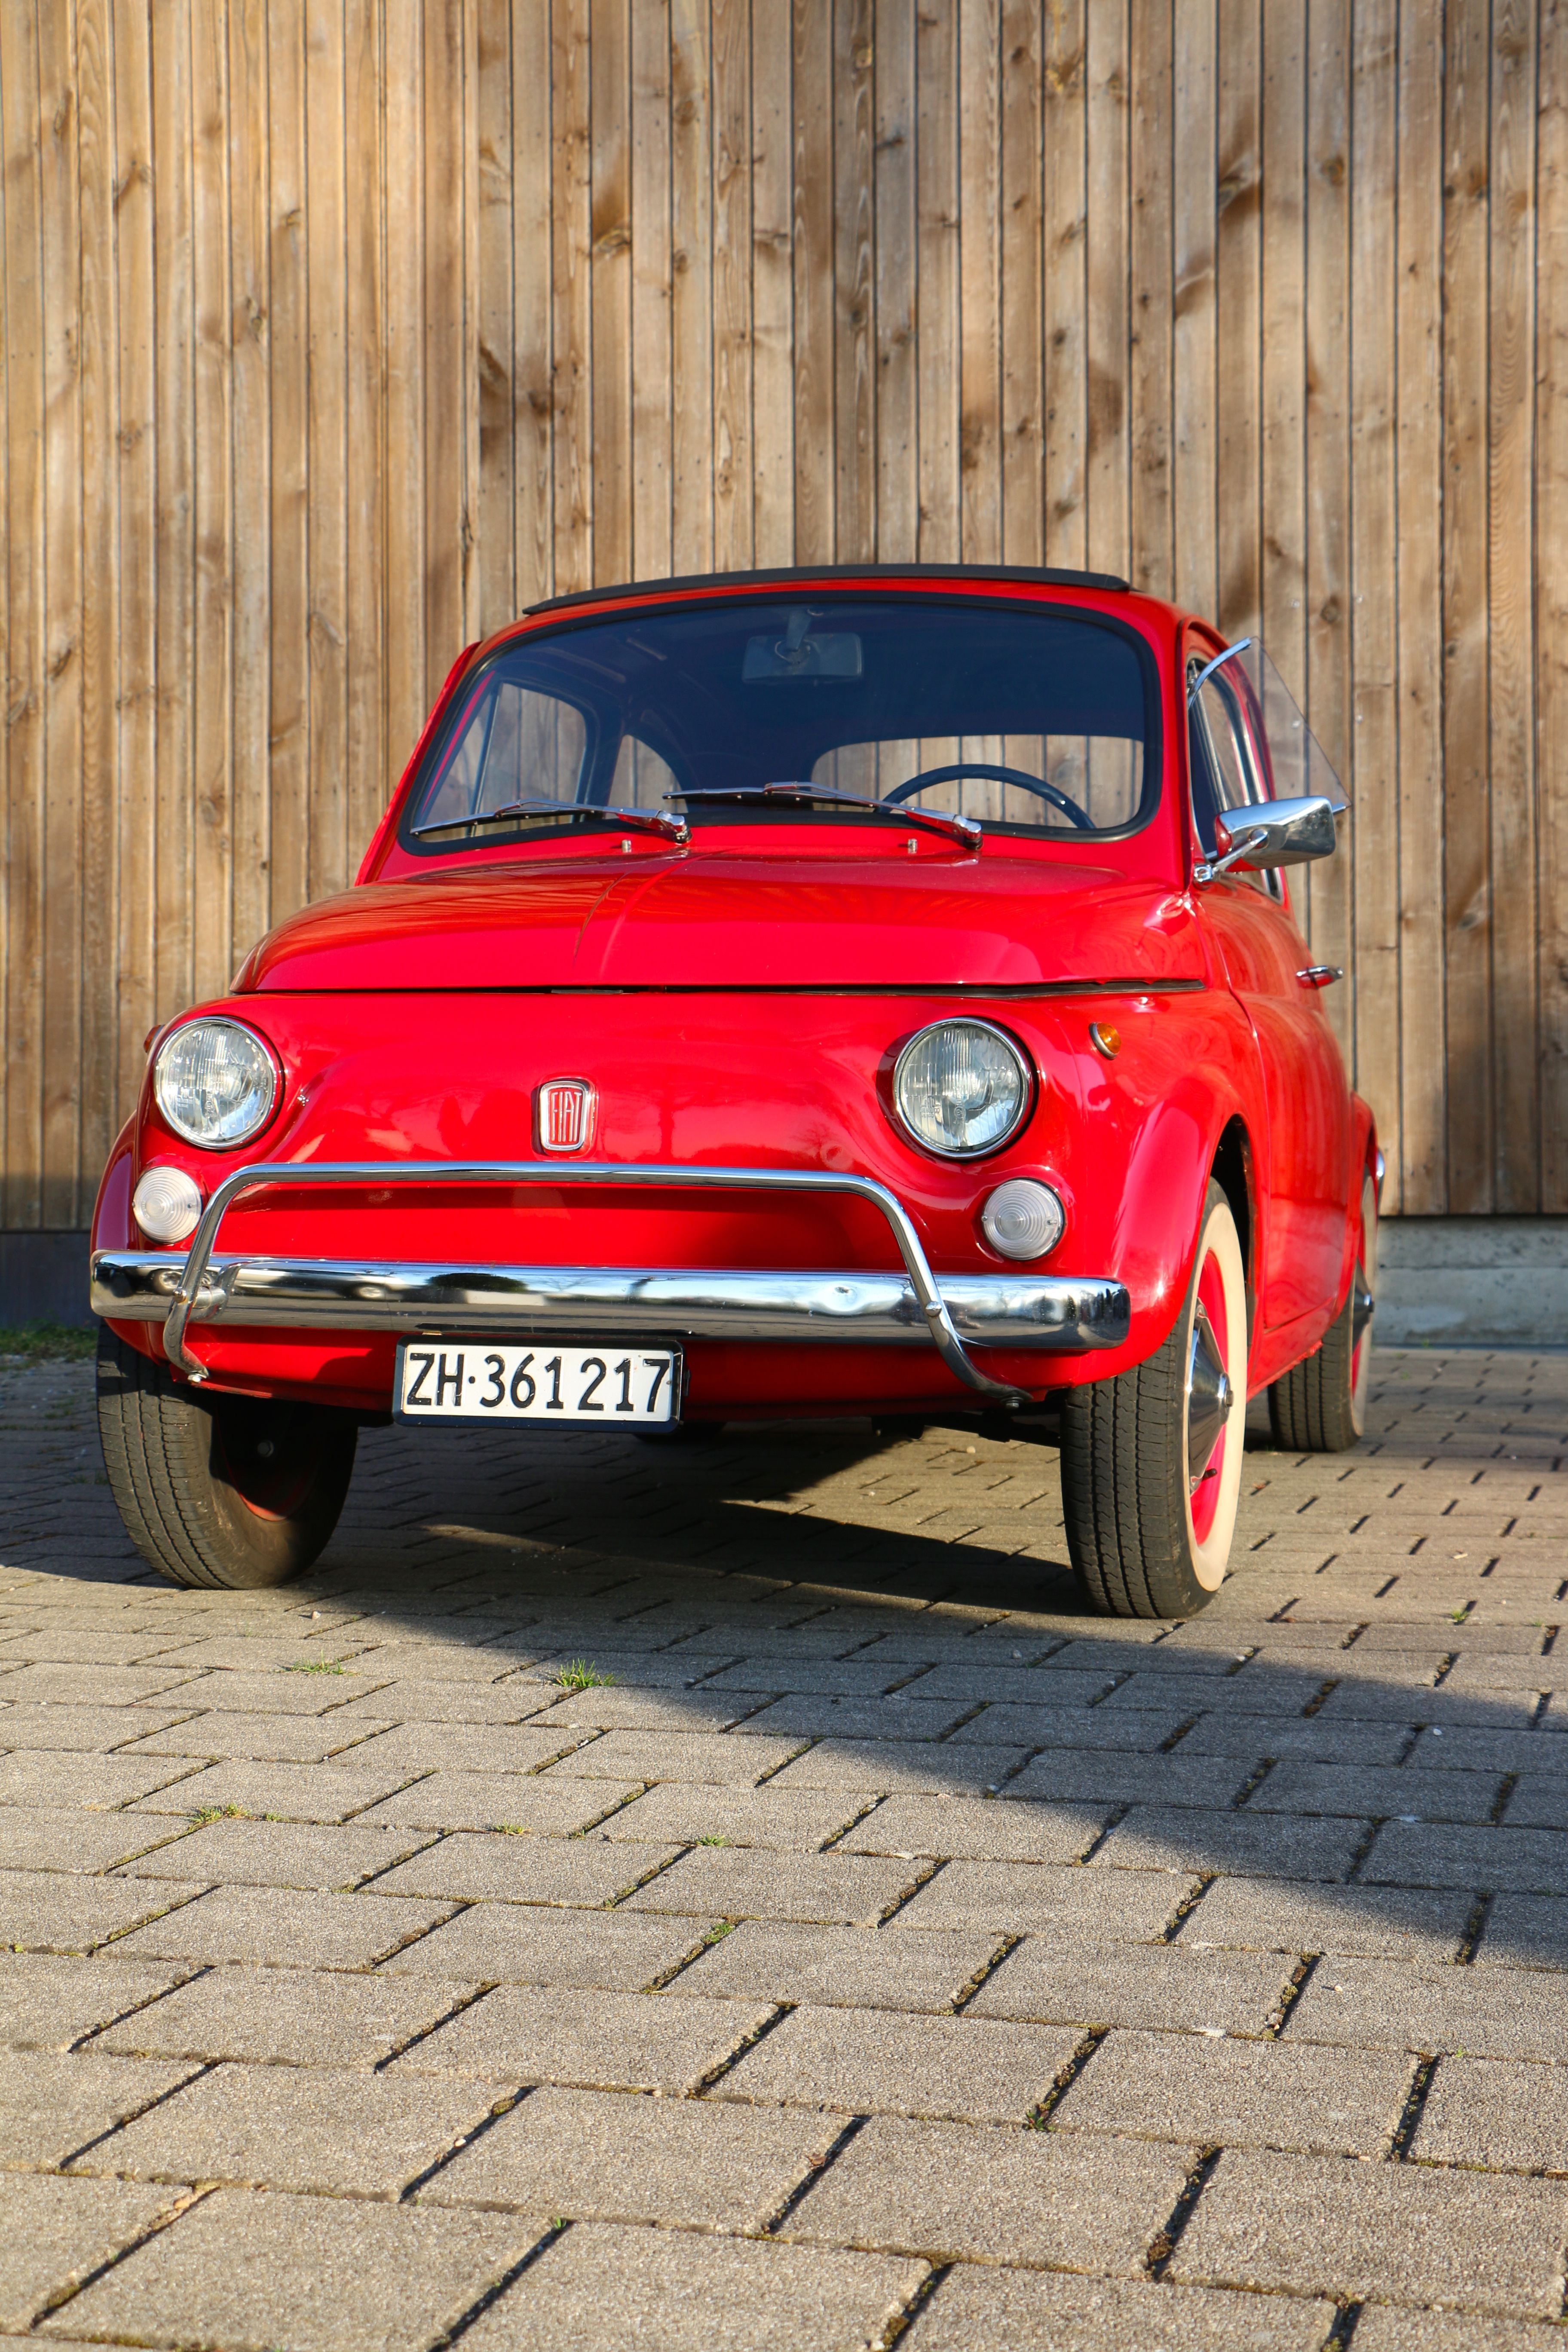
(1105, 1039)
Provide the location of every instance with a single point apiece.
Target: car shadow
(799, 1584)
(1426, 1813)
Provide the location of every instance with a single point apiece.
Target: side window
(1223, 774)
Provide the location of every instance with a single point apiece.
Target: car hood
(723, 921)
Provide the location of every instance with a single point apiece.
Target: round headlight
(1023, 1218)
(216, 1083)
(961, 1088)
(167, 1204)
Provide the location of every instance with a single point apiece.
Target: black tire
(1319, 1406)
(231, 1492)
(1145, 1535)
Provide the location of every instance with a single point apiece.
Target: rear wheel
(1319, 1405)
(1152, 1460)
(213, 1490)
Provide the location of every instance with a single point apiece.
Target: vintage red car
(787, 994)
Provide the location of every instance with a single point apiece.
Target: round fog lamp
(167, 1204)
(961, 1088)
(1022, 1219)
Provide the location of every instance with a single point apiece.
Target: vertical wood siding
(337, 331)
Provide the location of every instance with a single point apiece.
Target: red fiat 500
(776, 995)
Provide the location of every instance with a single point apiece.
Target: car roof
(1047, 576)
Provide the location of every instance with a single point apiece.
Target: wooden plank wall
(336, 332)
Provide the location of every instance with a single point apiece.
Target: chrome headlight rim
(166, 1044)
(1028, 1091)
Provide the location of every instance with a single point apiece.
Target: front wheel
(1320, 1406)
(1152, 1460)
(219, 1491)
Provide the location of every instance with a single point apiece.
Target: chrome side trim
(192, 1285)
(336, 1294)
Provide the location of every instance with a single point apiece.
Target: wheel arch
(1198, 1132)
(1365, 1161)
(1235, 1171)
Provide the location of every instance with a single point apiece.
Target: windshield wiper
(669, 828)
(966, 829)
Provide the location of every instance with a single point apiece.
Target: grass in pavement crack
(705, 1943)
(411, 2041)
(1472, 1935)
(503, 2107)
(136, 2008)
(1414, 2100)
(983, 1973)
(1365, 1845)
(1300, 1977)
(1186, 1907)
(795, 1753)
(747, 2043)
(134, 2115)
(1118, 1815)
(161, 1911)
(384, 1869)
(1179, 1734)
(815, 2167)
(578, 1675)
(911, 2308)
(922, 1877)
(861, 1813)
(503, 2285)
(635, 1885)
(1163, 2243)
(1067, 2075)
(158, 2223)
(1252, 1783)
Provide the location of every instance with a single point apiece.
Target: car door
(1270, 970)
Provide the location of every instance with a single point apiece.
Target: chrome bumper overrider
(1011, 1310)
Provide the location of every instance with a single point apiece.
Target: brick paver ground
(883, 1948)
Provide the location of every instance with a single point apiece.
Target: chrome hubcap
(1209, 1398)
(1363, 1310)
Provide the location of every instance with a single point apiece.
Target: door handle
(1321, 975)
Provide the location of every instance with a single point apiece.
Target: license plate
(464, 1381)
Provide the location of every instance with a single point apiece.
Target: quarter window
(1224, 763)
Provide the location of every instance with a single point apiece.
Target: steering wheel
(1036, 784)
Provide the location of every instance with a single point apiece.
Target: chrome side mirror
(1272, 833)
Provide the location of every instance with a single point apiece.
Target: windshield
(1034, 720)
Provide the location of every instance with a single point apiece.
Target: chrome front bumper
(1012, 1310)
